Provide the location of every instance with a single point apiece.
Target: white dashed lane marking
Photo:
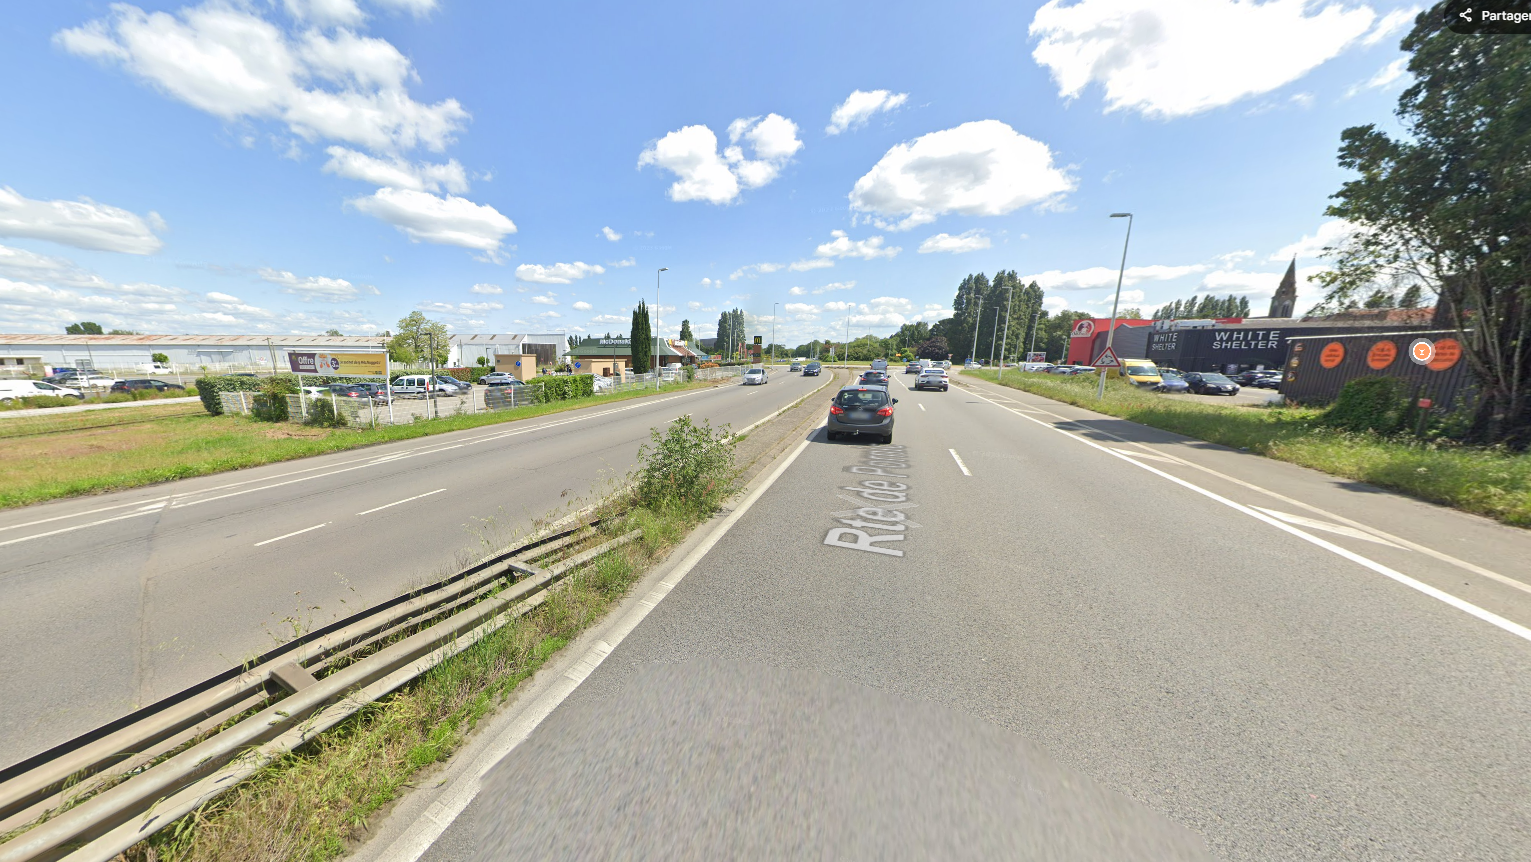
(960, 465)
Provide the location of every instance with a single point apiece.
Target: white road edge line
(1383, 534)
(958, 458)
(410, 846)
(145, 511)
(397, 502)
(1466, 607)
(922, 408)
(294, 533)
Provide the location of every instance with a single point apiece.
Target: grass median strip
(87, 453)
(311, 803)
(1482, 481)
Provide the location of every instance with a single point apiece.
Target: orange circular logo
(1447, 352)
(1422, 351)
(1382, 355)
(1333, 354)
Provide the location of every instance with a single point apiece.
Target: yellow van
(1141, 372)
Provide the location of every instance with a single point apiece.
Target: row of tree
(1204, 307)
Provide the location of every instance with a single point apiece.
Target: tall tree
(641, 340)
(685, 332)
(1411, 296)
(83, 328)
(1448, 203)
(418, 336)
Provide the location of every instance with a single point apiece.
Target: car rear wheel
(834, 435)
(887, 438)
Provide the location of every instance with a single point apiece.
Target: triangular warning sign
(1107, 359)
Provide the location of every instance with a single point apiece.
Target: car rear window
(862, 398)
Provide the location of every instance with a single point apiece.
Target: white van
(879, 365)
(10, 390)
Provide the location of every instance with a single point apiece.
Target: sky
(292, 166)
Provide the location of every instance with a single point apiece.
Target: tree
(731, 332)
(686, 336)
(1379, 298)
(1411, 296)
(159, 358)
(483, 361)
(934, 348)
(575, 339)
(642, 340)
(1448, 204)
(332, 332)
(83, 328)
(418, 337)
(1243, 310)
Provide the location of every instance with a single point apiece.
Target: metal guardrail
(97, 795)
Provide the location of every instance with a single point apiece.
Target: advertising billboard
(339, 364)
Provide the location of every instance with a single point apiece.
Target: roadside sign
(1036, 357)
(1107, 359)
(1425, 403)
(576, 365)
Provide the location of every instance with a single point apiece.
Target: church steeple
(1286, 294)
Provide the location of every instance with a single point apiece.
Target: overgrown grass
(84, 453)
(1483, 481)
(308, 805)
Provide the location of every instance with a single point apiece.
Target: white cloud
(800, 308)
(31, 266)
(611, 234)
(1385, 76)
(839, 306)
(753, 270)
(1128, 297)
(842, 245)
(82, 224)
(488, 289)
(395, 172)
(981, 168)
(558, 273)
(810, 263)
(461, 309)
(796, 291)
(631, 261)
(317, 287)
(226, 60)
(836, 285)
(1054, 304)
(582, 306)
(544, 299)
(973, 240)
(1099, 276)
(609, 318)
(224, 298)
(1168, 60)
(450, 220)
(693, 305)
(326, 13)
(691, 154)
(1329, 234)
(859, 107)
(711, 282)
(1392, 22)
(548, 314)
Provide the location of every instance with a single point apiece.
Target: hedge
(208, 389)
(557, 388)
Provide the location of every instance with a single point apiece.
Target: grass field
(50, 457)
(1486, 482)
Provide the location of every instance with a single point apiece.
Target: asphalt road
(111, 602)
(1182, 641)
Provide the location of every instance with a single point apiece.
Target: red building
(1088, 339)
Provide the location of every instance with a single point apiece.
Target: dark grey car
(858, 411)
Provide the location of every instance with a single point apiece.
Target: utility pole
(994, 336)
(1111, 333)
(1009, 298)
(773, 332)
(977, 311)
(1034, 317)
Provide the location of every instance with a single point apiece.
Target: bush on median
(686, 466)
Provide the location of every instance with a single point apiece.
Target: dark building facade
(1231, 347)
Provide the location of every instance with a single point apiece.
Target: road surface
(111, 602)
(1176, 638)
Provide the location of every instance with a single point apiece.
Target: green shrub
(561, 388)
(477, 374)
(686, 466)
(208, 389)
(323, 414)
(690, 373)
(44, 401)
(271, 403)
(458, 373)
(1376, 404)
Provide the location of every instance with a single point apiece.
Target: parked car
(373, 391)
(420, 386)
(879, 378)
(812, 369)
(913, 368)
(756, 377)
(500, 378)
(933, 378)
(971, 364)
(10, 390)
(1210, 383)
(453, 386)
(143, 384)
(1171, 383)
(858, 410)
(1269, 381)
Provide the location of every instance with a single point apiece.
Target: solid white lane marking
(1466, 607)
(294, 533)
(1290, 501)
(1327, 527)
(419, 837)
(397, 502)
(960, 465)
(144, 511)
(1150, 455)
(142, 507)
(922, 408)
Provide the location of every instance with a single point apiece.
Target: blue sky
(296, 165)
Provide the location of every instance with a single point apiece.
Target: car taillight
(886, 411)
(836, 410)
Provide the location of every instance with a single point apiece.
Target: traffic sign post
(1107, 359)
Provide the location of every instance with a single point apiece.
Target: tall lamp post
(1009, 298)
(993, 337)
(977, 313)
(773, 332)
(1035, 316)
(656, 323)
(1100, 393)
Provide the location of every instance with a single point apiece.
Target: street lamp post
(656, 323)
(773, 332)
(977, 313)
(1111, 333)
(1035, 316)
(1009, 298)
(993, 337)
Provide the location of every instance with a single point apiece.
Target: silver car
(756, 377)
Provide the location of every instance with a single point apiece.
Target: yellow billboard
(339, 364)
